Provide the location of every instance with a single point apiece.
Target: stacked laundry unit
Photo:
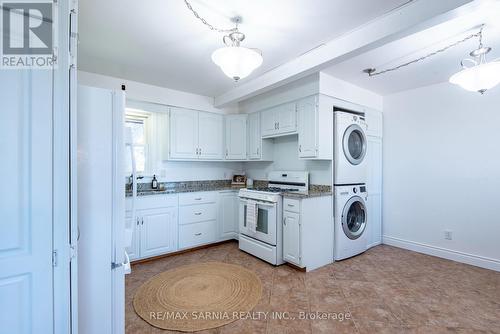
(350, 176)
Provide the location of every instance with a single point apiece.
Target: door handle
(137, 220)
(284, 221)
(142, 221)
(300, 148)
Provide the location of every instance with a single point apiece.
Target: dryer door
(354, 144)
(354, 217)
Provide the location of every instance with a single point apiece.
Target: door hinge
(72, 252)
(54, 258)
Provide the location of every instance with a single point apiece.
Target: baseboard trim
(474, 260)
(374, 244)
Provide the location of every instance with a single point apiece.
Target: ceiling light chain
(373, 72)
(211, 27)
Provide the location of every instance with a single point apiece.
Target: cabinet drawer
(197, 198)
(196, 234)
(291, 204)
(197, 213)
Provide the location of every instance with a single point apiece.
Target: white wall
(286, 157)
(442, 172)
(154, 94)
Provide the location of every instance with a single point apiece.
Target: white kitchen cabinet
(315, 127)
(278, 121)
(158, 231)
(258, 148)
(307, 114)
(291, 238)
(254, 137)
(308, 231)
(195, 135)
(210, 139)
(183, 133)
(374, 188)
(236, 137)
(228, 215)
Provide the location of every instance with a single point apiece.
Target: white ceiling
(160, 42)
(432, 70)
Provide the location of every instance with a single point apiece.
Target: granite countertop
(144, 189)
(311, 193)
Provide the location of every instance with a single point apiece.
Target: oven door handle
(261, 203)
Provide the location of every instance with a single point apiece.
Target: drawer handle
(291, 205)
(197, 213)
(198, 199)
(197, 234)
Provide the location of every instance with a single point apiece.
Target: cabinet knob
(197, 234)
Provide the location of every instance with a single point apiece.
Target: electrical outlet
(448, 235)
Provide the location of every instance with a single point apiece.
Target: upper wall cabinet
(236, 137)
(278, 121)
(258, 148)
(195, 135)
(211, 136)
(315, 127)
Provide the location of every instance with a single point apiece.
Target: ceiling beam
(408, 19)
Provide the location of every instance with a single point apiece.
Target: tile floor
(385, 290)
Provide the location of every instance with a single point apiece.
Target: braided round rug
(198, 296)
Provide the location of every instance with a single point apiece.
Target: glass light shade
(237, 62)
(478, 78)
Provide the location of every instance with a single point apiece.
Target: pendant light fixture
(235, 61)
(479, 77)
(482, 75)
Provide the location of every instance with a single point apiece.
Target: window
(136, 122)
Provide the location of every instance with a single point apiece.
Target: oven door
(266, 222)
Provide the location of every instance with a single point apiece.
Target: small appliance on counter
(249, 183)
(239, 181)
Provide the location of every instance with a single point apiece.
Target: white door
(133, 250)
(228, 215)
(236, 137)
(307, 113)
(211, 135)
(287, 118)
(183, 133)
(254, 138)
(269, 122)
(291, 237)
(26, 272)
(158, 231)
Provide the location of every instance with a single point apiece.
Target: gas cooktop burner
(272, 189)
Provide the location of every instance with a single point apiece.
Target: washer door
(354, 143)
(354, 217)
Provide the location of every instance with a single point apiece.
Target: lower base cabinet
(195, 234)
(291, 238)
(308, 231)
(158, 232)
(228, 215)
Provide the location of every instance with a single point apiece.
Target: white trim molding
(475, 260)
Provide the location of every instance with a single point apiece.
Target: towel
(252, 211)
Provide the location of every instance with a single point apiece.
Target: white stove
(261, 214)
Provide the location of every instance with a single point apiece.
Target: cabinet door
(236, 137)
(254, 138)
(228, 218)
(269, 122)
(287, 118)
(158, 231)
(183, 133)
(291, 237)
(133, 250)
(210, 139)
(307, 113)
